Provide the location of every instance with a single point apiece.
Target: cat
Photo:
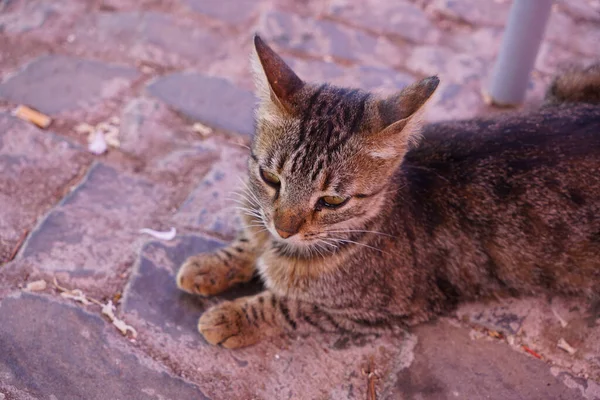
(355, 227)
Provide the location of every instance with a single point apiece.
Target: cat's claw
(225, 325)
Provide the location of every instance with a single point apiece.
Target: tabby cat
(353, 227)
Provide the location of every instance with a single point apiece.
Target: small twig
(65, 290)
(533, 353)
(18, 245)
(371, 378)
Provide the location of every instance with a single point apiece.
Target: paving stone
(448, 364)
(61, 351)
(537, 324)
(29, 16)
(324, 38)
(381, 79)
(149, 36)
(455, 101)
(580, 10)
(81, 83)
(35, 167)
(214, 101)
(447, 64)
(311, 367)
(553, 58)
(487, 13)
(169, 309)
(91, 237)
(212, 205)
(562, 29)
(483, 43)
(401, 19)
(167, 146)
(231, 11)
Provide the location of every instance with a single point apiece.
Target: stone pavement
(159, 66)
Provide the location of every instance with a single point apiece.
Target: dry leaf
(36, 286)
(562, 344)
(108, 309)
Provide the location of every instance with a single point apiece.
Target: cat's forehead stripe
(330, 119)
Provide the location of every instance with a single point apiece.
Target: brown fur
(479, 207)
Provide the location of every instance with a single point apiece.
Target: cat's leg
(208, 274)
(247, 320)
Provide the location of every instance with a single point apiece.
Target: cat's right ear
(398, 122)
(276, 83)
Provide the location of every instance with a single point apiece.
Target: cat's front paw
(202, 274)
(226, 325)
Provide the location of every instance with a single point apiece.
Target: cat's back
(518, 195)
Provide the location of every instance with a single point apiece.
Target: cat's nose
(284, 234)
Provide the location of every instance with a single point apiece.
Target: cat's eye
(333, 201)
(270, 178)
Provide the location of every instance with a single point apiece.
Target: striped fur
(479, 208)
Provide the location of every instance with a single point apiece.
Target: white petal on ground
(169, 235)
(98, 144)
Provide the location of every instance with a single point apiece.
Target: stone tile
(214, 101)
(381, 79)
(323, 38)
(30, 15)
(61, 351)
(166, 146)
(448, 364)
(573, 36)
(154, 298)
(580, 10)
(455, 101)
(211, 207)
(92, 236)
(35, 168)
(231, 11)
(486, 13)
(149, 36)
(483, 43)
(315, 366)
(534, 323)
(449, 65)
(81, 83)
(553, 58)
(400, 19)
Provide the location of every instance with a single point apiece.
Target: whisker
(360, 231)
(358, 243)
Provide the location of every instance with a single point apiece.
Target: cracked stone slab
(149, 36)
(448, 364)
(91, 237)
(326, 39)
(81, 83)
(308, 367)
(404, 20)
(212, 205)
(62, 351)
(35, 168)
(539, 325)
(214, 101)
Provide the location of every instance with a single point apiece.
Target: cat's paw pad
(202, 274)
(226, 325)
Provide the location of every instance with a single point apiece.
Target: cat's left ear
(276, 83)
(398, 118)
